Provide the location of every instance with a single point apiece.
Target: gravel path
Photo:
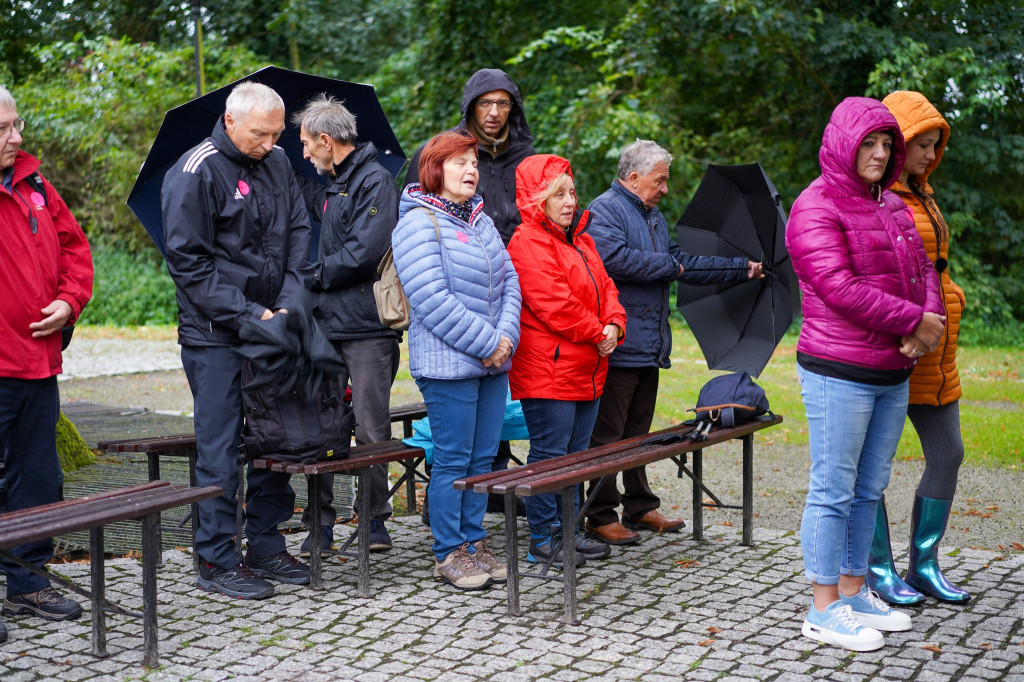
(988, 511)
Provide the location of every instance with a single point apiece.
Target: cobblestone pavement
(666, 609)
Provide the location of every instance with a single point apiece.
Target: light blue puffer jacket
(464, 291)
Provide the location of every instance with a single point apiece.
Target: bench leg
(698, 503)
(410, 485)
(512, 554)
(153, 464)
(150, 556)
(99, 583)
(748, 490)
(569, 553)
(313, 489)
(192, 456)
(363, 531)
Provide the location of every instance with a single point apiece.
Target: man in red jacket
(46, 277)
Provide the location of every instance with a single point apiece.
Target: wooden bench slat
(495, 481)
(8, 517)
(359, 457)
(150, 444)
(81, 514)
(636, 456)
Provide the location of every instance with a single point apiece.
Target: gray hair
(325, 114)
(641, 157)
(247, 96)
(7, 99)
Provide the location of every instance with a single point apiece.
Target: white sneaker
(836, 625)
(870, 611)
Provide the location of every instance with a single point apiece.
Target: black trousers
(627, 410)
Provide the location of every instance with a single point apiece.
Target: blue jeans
(465, 426)
(853, 430)
(29, 409)
(557, 427)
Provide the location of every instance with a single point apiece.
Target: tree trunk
(71, 448)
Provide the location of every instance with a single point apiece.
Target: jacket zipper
(942, 295)
(597, 291)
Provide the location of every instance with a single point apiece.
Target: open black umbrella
(189, 124)
(737, 211)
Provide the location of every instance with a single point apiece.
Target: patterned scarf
(461, 211)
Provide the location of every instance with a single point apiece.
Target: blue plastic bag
(513, 427)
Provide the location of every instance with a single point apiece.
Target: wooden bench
(184, 446)
(142, 502)
(561, 475)
(358, 464)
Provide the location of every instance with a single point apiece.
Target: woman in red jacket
(571, 321)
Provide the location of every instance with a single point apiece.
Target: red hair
(441, 148)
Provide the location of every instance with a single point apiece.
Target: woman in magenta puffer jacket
(871, 308)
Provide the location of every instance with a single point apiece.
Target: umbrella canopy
(737, 211)
(189, 124)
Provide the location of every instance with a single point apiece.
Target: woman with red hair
(464, 299)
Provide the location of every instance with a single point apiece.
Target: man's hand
(611, 340)
(55, 316)
(755, 270)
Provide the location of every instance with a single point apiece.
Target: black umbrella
(738, 212)
(189, 124)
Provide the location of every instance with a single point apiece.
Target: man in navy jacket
(237, 236)
(633, 240)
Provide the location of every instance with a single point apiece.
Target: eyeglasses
(486, 104)
(6, 128)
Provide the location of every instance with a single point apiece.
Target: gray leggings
(943, 447)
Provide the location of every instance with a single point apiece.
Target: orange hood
(916, 115)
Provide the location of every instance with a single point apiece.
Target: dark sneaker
(540, 550)
(592, 549)
(46, 603)
(380, 540)
(282, 567)
(327, 547)
(238, 581)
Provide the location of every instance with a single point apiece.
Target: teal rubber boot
(928, 525)
(882, 576)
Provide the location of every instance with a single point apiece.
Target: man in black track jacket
(237, 236)
(358, 211)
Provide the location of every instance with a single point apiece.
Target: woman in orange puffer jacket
(935, 384)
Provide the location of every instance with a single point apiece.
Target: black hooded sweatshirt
(497, 184)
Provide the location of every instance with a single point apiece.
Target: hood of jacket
(532, 177)
(486, 80)
(853, 120)
(916, 115)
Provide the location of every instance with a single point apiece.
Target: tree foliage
(714, 81)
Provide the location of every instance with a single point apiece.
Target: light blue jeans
(853, 430)
(465, 427)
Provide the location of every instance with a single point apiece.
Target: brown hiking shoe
(459, 570)
(485, 559)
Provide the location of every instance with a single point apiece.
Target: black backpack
(294, 427)
(731, 399)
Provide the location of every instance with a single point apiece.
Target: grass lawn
(991, 409)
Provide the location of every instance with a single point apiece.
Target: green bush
(130, 289)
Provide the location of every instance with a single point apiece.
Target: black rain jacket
(237, 236)
(358, 210)
(497, 184)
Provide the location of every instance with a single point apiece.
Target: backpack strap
(35, 181)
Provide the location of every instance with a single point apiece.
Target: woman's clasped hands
(500, 355)
(926, 336)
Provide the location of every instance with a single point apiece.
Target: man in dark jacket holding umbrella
(237, 236)
(632, 238)
(358, 210)
(492, 109)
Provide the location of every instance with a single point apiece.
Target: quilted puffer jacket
(568, 298)
(463, 290)
(865, 278)
(936, 380)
